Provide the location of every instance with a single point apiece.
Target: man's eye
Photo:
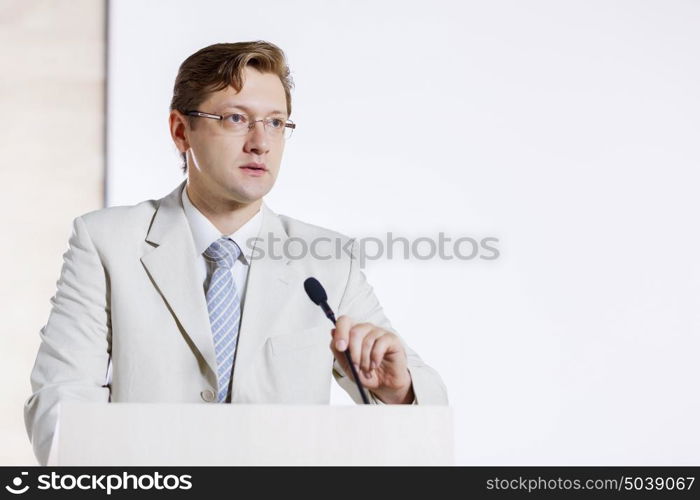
(277, 123)
(236, 118)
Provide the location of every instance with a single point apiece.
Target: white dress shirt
(204, 233)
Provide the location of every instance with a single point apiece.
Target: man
(168, 300)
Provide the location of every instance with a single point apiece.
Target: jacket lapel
(172, 267)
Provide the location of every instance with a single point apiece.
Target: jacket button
(207, 395)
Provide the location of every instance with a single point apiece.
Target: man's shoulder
(296, 228)
(122, 214)
(129, 215)
(327, 252)
(120, 223)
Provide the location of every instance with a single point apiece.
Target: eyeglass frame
(201, 114)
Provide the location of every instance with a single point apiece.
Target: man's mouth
(256, 167)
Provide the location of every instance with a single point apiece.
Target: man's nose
(257, 140)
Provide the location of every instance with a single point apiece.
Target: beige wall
(52, 161)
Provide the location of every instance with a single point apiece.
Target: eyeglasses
(240, 124)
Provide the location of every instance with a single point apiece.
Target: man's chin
(246, 197)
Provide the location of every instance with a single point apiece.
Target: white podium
(123, 434)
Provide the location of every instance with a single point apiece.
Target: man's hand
(379, 359)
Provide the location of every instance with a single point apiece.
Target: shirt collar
(205, 233)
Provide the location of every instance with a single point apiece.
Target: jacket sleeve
(73, 356)
(360, 303)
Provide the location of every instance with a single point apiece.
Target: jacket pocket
(305, 339)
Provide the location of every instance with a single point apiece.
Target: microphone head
(315, 291)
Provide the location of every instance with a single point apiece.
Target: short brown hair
(218, 66)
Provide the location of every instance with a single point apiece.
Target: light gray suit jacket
(129, 294)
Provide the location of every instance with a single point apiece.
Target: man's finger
(386, 343)
(340, 358)
(341, 335)
(367, 344)
(357, 334)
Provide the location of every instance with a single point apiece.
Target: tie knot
(223, 252)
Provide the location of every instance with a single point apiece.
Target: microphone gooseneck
(318, 296)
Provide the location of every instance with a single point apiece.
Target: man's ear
(178, 129)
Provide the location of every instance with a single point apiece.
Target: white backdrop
(568, 130)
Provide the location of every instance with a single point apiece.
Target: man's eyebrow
(229, 105)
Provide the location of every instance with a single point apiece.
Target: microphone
(318, 296)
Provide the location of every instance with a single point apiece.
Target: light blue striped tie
(224, 309)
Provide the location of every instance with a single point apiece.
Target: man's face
(216, 158)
